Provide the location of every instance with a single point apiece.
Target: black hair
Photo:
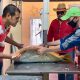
(11, 9)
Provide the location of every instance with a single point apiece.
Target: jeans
(67, 76)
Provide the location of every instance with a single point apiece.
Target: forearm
(28, 48)
(53, 49)
(71, 40)
(57, 42)
(6, 56)
(21, 51)
(10, 41)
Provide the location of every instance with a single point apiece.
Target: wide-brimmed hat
(72, 12)
(60, 7)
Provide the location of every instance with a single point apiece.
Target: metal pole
(45, 20)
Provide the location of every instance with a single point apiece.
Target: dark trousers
(1, 65)
(67, 76)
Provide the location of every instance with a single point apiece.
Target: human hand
(42, 50)
(20, 46)
(28, 48)
(15, 55)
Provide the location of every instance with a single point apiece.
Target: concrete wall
(31, 10)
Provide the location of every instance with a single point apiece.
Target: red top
(58, 31)
(3, 34)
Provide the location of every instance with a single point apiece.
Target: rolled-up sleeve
(71, 40)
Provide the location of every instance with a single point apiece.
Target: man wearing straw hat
(59, 29)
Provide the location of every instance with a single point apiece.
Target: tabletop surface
(37, 68)
(32, 63)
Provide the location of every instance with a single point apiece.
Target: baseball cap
(73, 11)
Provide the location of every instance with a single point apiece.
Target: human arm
(10, 56)
(42, 49)
(18, 53)
(71, 40)
(10, 41)
(65, 43)
(55, 43)
(15, 55)
(28, 48)
(5, 56)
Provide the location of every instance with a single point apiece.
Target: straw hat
(60, 7)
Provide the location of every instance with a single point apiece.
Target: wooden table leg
(45, 76)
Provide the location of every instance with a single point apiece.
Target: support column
(45, 25)
(45, 20)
